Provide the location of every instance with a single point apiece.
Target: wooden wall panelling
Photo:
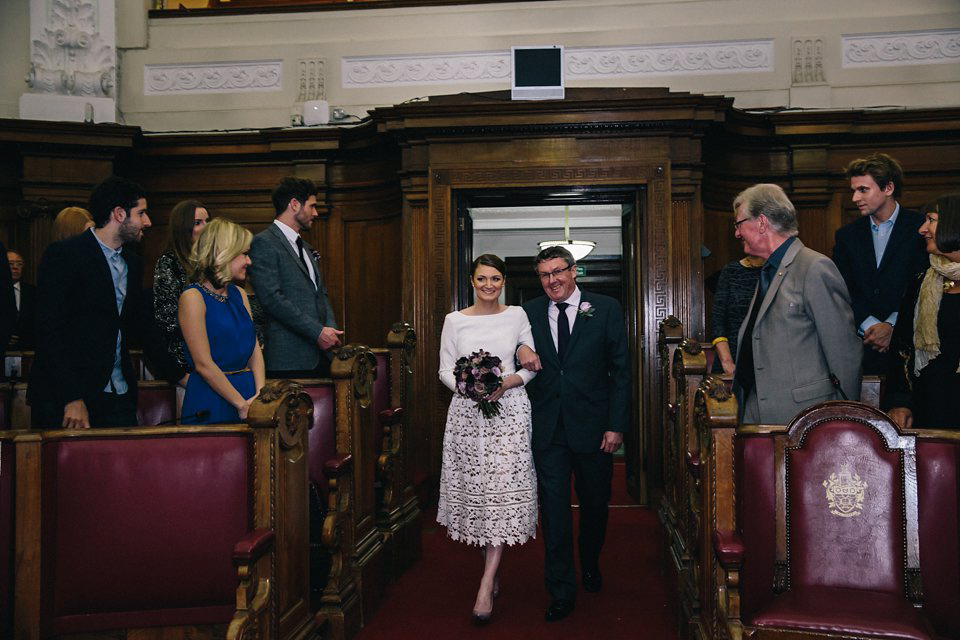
(365, 241)
(47, 166)
(418, 307)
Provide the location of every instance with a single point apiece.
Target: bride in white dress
(488, 486)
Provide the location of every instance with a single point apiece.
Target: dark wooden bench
(118, 530)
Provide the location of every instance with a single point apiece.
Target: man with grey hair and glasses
(799, 346)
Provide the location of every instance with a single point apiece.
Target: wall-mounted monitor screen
(537, 73)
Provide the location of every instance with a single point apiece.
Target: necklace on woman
(221, 297)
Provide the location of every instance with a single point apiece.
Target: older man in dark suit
(26, 297)
(90, 306)
(301, 328)
(878, 254)
(581, 408)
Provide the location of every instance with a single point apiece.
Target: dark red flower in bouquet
(477, 376)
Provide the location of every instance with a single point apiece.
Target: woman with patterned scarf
(923, 383)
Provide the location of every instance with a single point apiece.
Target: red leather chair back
(845, 500)
(156, 403)
(323, 434)
(175, 508)
(938, 488)
(7, 474)
(756, 518)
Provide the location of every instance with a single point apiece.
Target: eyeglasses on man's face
(736, 225)
(556, 273)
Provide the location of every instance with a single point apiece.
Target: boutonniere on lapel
(585, 310)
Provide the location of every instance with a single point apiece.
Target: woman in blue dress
(215, 319)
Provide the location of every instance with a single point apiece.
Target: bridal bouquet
(477, 376)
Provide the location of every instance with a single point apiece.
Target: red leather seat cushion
(140, 531)
(938, 489)
(861, 548)
(323, 434)
(851, 612)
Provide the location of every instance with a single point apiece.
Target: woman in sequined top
(187, 220)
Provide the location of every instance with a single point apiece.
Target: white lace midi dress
(488, 486)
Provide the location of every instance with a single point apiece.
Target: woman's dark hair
(947, 208)
(489, 260)
(181, 230)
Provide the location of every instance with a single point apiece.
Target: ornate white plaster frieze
(626, 61)
(72, 48)
(671, 60)
(452, 68)
(213, 77)
(903, 48)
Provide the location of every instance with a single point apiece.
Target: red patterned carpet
(433, 598)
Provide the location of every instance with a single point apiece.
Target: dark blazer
(932, 395)
(877, 291)
(26, 316)
(592, 384)
(8, 303)
(296, 310)
(77, 323)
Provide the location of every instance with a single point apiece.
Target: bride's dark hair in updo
(489, 260)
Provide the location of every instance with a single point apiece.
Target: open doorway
(511, 222)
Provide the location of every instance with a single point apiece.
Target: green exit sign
(581, 271)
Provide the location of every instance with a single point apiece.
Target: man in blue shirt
(90, 306)
(878, 253)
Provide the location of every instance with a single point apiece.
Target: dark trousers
(104, 409)
(593, 473)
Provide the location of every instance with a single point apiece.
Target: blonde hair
(70, 222)
(219, 243)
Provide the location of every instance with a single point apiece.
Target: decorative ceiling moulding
(213, 77)
(900, 49)
(494, 67)
(450, 68)
(706, 58)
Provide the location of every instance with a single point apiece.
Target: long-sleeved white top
(499, 333)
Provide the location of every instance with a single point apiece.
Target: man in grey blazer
(799, 346)
(301, 328)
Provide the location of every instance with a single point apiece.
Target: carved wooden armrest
(252, 546)
(337, 467)
(728, 547)
(251, 618)
(392, 416)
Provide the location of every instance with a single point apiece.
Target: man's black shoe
(592, 581)
(558, 610)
